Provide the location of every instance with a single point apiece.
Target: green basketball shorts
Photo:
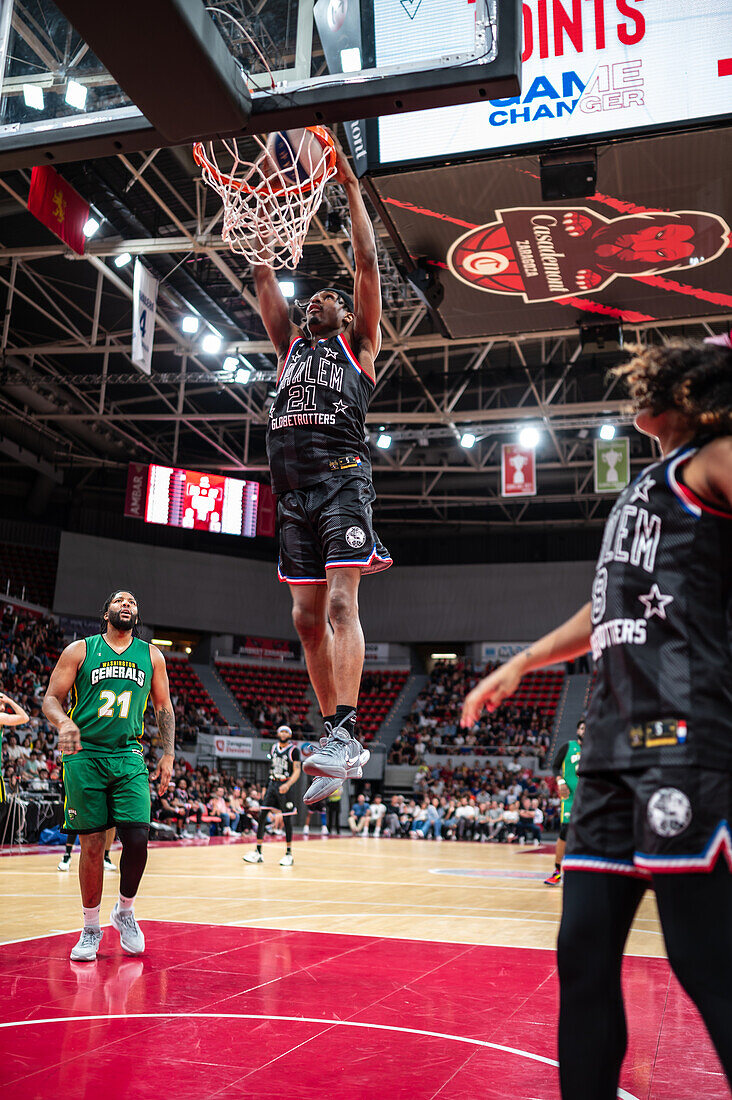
(101, 791)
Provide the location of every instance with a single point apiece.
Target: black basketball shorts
(275, 800)
(660, 820)
(328, 526)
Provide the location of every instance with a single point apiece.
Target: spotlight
(76, 95)
(190, 323)
(384, 441)
(467, 440)
(211, 343)
(230, 363)
(122, 260)
(242, 376)
(529, 437)
(351, 60)
(607, 431)
(287, 287)
(33, 96)
(90, 227)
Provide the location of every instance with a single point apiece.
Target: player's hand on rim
(490, 693)
(344, 172)
(164, 770)
(69, 738)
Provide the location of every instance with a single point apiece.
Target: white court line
(622, 1094)
(464, 909)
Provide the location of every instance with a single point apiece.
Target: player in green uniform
(110, 676)
(15, 717)
(565, 768)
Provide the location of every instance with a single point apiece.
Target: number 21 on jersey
(109, 700)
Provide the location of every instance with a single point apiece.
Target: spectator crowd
(433, 726)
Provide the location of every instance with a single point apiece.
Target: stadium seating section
(31, 572)
(254, 685)
(379, 691)
(185, 682)
(540, 690)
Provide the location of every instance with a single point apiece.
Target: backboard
(84, 79)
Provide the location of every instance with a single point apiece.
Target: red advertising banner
(136, 494)
(61, 209)
(518, 471)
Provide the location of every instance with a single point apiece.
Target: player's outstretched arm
(59, 686)
(273, 308)
(367, 284)
(568, 641)
(160, 695)
(17, 718)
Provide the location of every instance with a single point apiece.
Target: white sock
(126, 904)
(91, 915)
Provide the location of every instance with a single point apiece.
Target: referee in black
(654, 799)
(284, 772)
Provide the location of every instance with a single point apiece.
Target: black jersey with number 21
(662, 628)
(317, 421)
(282, 762)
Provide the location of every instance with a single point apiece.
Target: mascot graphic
(547, 253)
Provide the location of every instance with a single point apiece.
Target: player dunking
(284, 772)
(321, 474)
(110, 676)
(654, 798)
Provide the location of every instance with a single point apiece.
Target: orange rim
(235, 184)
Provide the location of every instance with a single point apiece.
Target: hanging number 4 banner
(612, 464)
(518, 471)
(145, 290)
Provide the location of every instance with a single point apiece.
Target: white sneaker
(86, 949)
(253, 857)
(287, 860)
(131, 938)
(306, 830)
(377, 832)
(109, 866)
(64, 865)
(200, 835)
(324, 830)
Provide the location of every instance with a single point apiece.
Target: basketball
(301, 156)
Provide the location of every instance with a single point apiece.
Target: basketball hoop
(270, 201)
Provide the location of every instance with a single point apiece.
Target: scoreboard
(174, 497)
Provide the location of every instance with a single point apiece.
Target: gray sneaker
(338, 757)
(131, 939)
(86, 949)
(324, 786)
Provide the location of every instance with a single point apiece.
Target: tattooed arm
(160, 694)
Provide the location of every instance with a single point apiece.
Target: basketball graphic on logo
(484, 258)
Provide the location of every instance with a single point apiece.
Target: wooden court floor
(371, 968)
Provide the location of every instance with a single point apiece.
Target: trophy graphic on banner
(518, 462)
(611, 458)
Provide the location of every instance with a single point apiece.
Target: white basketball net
(267, 207)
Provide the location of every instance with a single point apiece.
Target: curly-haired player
(654, 799)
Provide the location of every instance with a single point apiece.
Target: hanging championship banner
(145, 296)
(612, 464)
(518, 471)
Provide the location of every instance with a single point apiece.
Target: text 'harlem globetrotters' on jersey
(317, 421)
(661, 613)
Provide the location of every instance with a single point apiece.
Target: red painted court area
(215, 1011)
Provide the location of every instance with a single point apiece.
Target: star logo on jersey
(339, 406)
(655, 603)
(328, 353)
(642, 489)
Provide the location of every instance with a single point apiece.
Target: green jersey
(109, 696)
(570, 757)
